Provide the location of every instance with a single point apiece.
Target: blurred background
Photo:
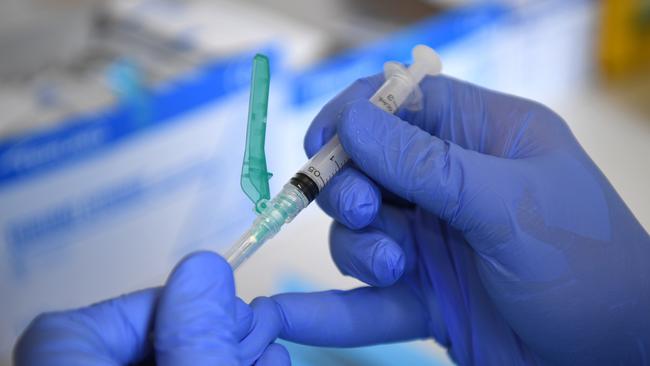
(122, 128)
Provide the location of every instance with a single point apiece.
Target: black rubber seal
(306, 185)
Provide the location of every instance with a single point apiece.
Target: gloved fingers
(243, 319)
(451, 109)
(472, 117)
(466, 114)
(358, 317)
(274, 354)
(466, 189)
(196, 314)
(368, 255)
(378, 255)
(448, 106)
(264, 330)
(354, 200)
(112, 332)
(323, 127)
(351, 198)
(194, 323)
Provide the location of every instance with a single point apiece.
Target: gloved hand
(195, 319)
(480, 222)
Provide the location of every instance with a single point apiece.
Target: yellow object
(625, 37)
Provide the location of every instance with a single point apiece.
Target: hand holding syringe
(401, 84)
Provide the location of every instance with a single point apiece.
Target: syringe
(401, 85)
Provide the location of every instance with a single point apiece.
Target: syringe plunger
(425, 62)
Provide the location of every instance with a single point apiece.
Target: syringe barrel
(325, 164)
(331, 157)
(394, 92)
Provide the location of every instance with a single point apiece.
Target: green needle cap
(254, 176)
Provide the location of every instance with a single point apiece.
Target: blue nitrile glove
(482, 223)
(195, 319)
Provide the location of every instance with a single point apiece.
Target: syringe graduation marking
(387, 103)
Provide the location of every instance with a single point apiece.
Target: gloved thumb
(196, 316)
(465, 188)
